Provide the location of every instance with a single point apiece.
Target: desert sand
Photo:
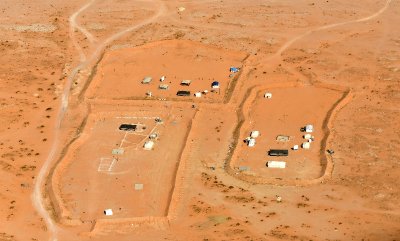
(71, 74)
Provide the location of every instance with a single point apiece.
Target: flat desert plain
(155, 120)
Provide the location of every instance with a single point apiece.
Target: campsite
(207, 120)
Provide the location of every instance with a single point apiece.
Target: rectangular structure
(183, 93)
(277, 152)
(276, 164)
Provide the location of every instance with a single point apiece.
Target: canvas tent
(163, 87)
(268, 95)
(306, 145)
(309, 128)
(146, 80)
(254, 134)
(148, 145)
(108, 212)
(186, 82)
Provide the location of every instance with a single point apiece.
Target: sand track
(37, 196)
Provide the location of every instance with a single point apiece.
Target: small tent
(268, 95)
(108, 212)
(254, 134)
(309, 128)
(186, 82)
(251, 142)
(148, 145)
(146, 80)
(306, 145)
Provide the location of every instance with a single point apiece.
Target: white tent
(268, 95)
(108, 212)
(276, 164)
(295, 147)
(309, 128)
(197, 94)
(307, 136)
(148, 145)
(251, 142)
(306, 145)
(254, 134)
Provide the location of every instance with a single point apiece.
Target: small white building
(108, 212)
(254, 134)
(307, 136)
(268, 95)
(148, 145)
(251, 142)
(295, 147)
(276, 164)
(309, 128)
(306, 145)
(162, 78)
(197, 94)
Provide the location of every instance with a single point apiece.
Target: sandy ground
(54, 53)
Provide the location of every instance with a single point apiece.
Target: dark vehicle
(183, 93)
(127, 127)
(275, 152)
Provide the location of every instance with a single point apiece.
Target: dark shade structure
(183, 93)
(127, 127)
(276, 152)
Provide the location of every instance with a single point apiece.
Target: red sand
(51, 47)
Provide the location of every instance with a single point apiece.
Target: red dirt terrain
(70, 76)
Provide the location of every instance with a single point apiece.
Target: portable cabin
(146, 80)
(254, 134)
(276, 164)
(163, 87)
(127, 127)
(276, 152)
(268, 95)
(215, 85)
(108, 212)
(251, 142)
(183, 93)
(186, 82)
(306, 145)
(309, 128)
(148, 145)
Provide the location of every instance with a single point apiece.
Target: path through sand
(37, 196)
